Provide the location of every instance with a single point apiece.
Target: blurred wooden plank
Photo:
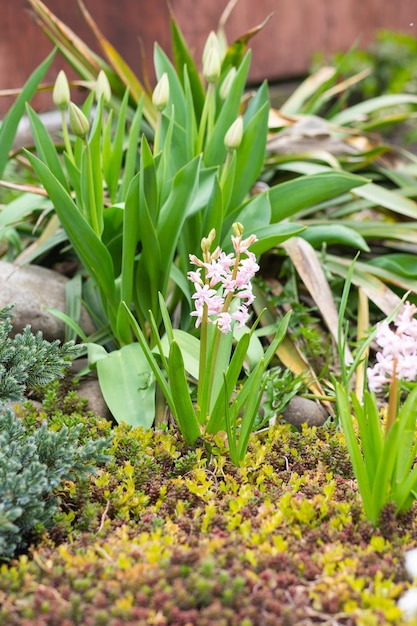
(283, 50)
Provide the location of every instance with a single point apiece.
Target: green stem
(92, 208)
(207, 365)
(211, 95)
(157, 136)
(225, 168)
(207, 116)
(392, 400)
(201, 396)
(65, 134)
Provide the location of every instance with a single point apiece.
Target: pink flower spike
(214, 272)
(203, 293)
(247, 295)
(398, 354)
(241, 316)
(405, 321)
(241, 245)
(195, 260)
(224, 322)
(226, 261)
(195, 277)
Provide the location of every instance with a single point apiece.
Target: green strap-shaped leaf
(184, 62)
(251, 152)
(357, 461)
(90, 250)
(290, 197)
(45, 147)
(128, 385)
(215, 152)
(184, 410)
(10, 123)
(229, 382)
(176, 93)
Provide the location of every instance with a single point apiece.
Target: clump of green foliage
(32, 468)
(29, 360)
(34, 464)
(391, 65)
(391, 60)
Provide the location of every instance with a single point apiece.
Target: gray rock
(304, 411)
(32, 289)
(89, 388)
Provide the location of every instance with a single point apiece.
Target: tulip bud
(78, 121)
(212, 63)
(227, 83)
(212, 66)
(102, 87)
(233, 137)
(211, 42)
(61, 92)
(160, 96)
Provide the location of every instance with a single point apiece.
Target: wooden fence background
(283, 50)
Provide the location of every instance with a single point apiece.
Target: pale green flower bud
(160, 96)
(207, 242)
(211, 42)
(102, 87)
(212, 66)
(233, 137)
(61, 92)
(227, 83)
(238, 229)
(78, 121)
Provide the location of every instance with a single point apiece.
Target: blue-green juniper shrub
(33, 464)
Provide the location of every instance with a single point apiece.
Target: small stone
(89, 388)
(304, 411)
(32, 290)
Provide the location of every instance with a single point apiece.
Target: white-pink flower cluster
(398, 354)
(220, 280)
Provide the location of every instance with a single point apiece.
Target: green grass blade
(132, 152)
(230, 376)
(158, 373)
(290, 197)
(370, 433)
(130, 240)
(45, 147)
(73, 295)
(115, 165)
(215, 152)
(184, 410)
(358, 111)
(184, 61)
(356, 458)
(254, 399)
(10, 123)
(250, 156)
(90, 250)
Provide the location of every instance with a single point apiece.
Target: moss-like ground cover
(162, 536)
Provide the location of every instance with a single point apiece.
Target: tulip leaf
(128, 385)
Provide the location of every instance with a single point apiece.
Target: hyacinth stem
(201, 400)
(204, 390)
(392, 400)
